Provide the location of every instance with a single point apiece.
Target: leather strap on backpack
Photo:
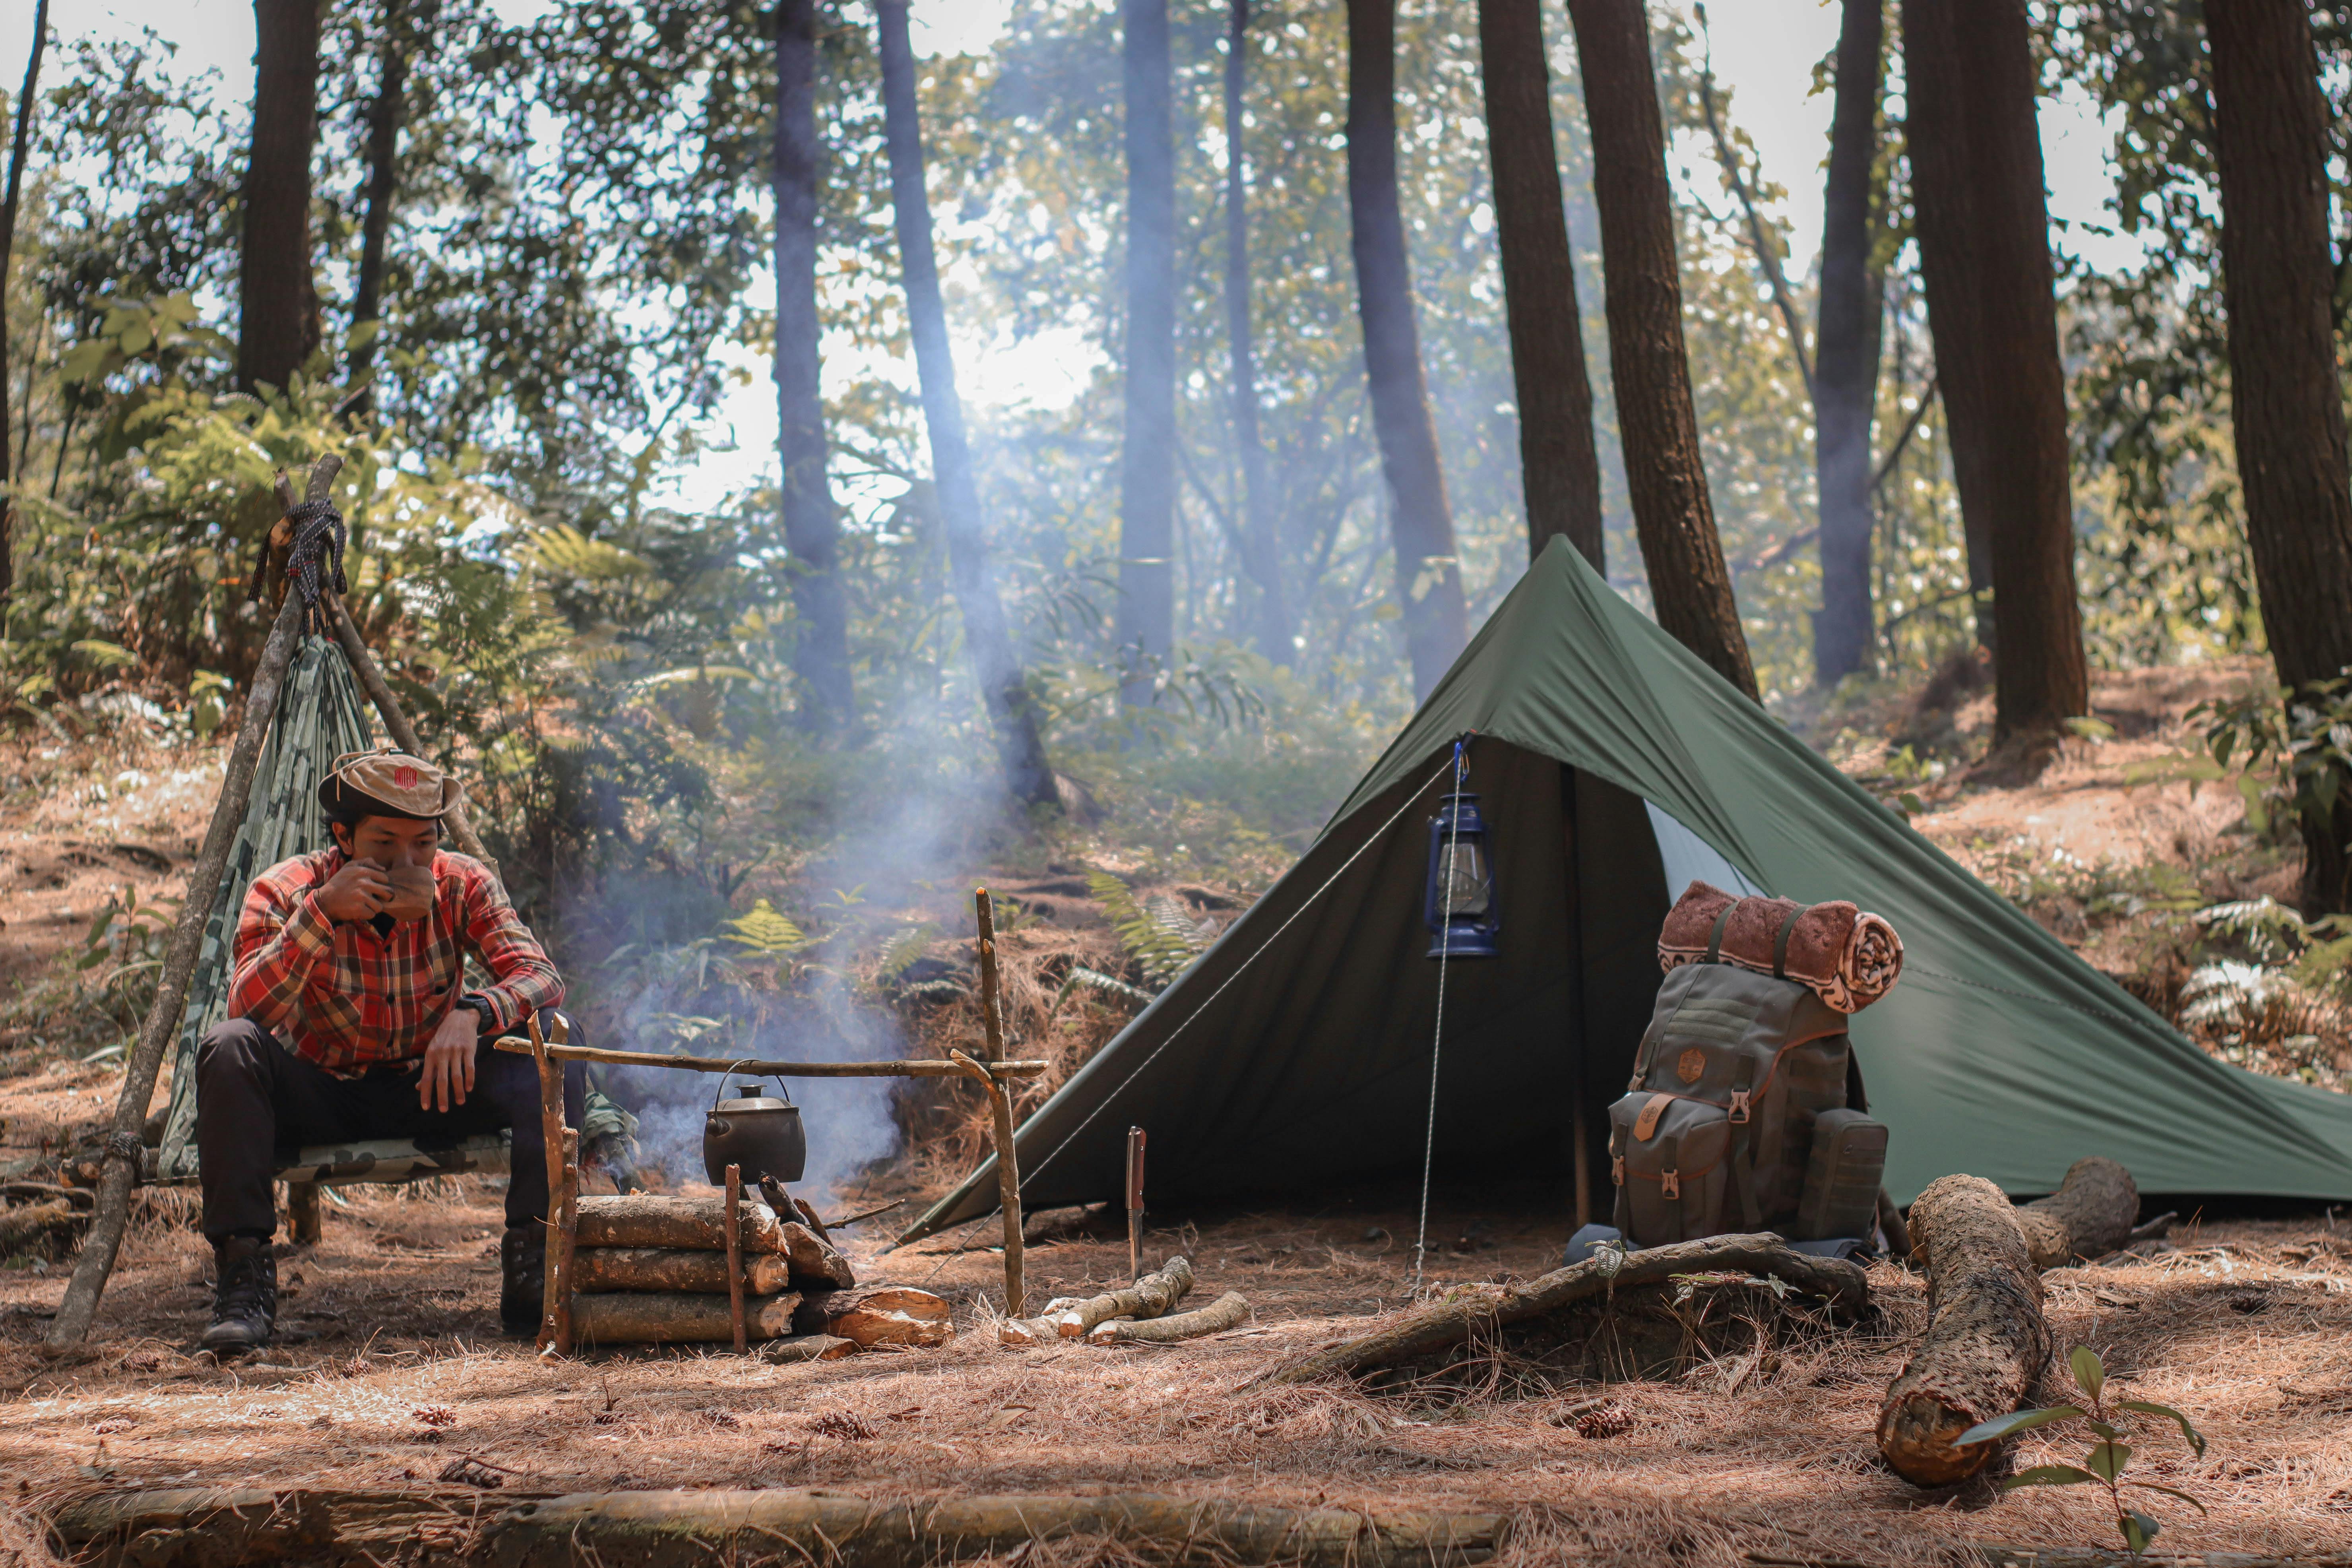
(1780, 943)
(1714, 937)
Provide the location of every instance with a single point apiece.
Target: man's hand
(357, 893)
(448, 1072)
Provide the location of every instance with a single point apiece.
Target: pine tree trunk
(812, 529)
(383, 178)
(1845, 378)
(1428, 574)
(1984, 255)
(1147, 480)
(1273, 617)
(1673, 517)
(1559, 471)
(2286, 391)
(278, 302)
(1021, 751)
(7, 249)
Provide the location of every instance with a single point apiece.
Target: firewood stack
(652, 1269)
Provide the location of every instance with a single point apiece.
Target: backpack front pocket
(1670, 1161)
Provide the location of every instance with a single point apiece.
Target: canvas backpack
(1737, 1115)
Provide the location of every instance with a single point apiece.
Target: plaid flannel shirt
(349, 998)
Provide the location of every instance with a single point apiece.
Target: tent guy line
(1437, 1032)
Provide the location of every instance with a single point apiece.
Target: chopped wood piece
(1226, 1312)
(816, 1263)
(878, 1315)
(2088, 1216)
(689, 1270)
(1986, 1342)
(635, 1318)
(650, 1219)
(808, 1217)
(807, 1347)
(1149, 1297)
(1477, 1309)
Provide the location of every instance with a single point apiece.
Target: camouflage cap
(401, 784)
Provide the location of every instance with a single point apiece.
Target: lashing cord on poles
(1437, 1041)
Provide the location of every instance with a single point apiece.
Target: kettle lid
(754, 1102)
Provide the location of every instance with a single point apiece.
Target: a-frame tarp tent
(1612, 765)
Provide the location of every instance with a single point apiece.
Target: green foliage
(1155, 930)
(766, 933)
(2107, 1459)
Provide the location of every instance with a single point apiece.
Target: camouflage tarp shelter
(1613, 767)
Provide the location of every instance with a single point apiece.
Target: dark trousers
(255, 1097)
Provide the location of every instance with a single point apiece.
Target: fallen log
(1149, 1297)
(1986, 1342)
(806, 1347)
(36, 1222)
(1478, 1310)
(1037, 1330)
(876, 1315)
(688, 1269)
(1228, 1312)
(652, 1219)
(2090, 1214)
(219, 1528)
(816, 1263)
(645, 1318)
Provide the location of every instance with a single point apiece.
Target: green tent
(1612, 767)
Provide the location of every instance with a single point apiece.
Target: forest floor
(390, 1371)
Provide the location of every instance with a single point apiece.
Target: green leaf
(2048, 1476)
(2139, 1530)
(1912, 805)
(766, 931)
(85, 359)
(2090, 1373)
(105, 655)
(2168, 1491)
(2148, 1407)
(2016, 1421)
(2107, 1460)
(2091, 728)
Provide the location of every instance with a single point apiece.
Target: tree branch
(1766, 255)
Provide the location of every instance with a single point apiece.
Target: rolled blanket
(1845, 957)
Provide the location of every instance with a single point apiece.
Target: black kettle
(762, 1136)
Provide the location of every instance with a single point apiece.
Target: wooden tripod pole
(124, 1149)
(1008, 1168)
(404, 734)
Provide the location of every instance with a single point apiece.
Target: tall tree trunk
(1673, 515)
(1845, 378)
(1146, 480)
(1559, 471)
(812, 530)
(1004, 690)
(1428, 573)
(384, 116)
(2286, 394)
(1258, 512)
(1984, 256)
(7, 252)
(278, 302)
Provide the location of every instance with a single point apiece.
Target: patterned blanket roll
(1845, 957)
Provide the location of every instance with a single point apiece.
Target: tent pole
(124, 1148)
(403, 734)
(1579, 1135)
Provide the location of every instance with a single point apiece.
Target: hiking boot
(245, 1294)
(522, 1286)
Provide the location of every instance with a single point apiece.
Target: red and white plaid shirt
(349, 998)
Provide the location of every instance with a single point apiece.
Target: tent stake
(124, 1148)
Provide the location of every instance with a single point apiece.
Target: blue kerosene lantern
(1464, 920)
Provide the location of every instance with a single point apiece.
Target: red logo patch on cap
(404, 777)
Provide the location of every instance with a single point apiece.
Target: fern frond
(1095, 980)
(767, 931)
(904, 948)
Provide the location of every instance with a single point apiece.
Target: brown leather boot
(522, 1283)
(245, 1294)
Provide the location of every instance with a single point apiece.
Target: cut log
(878, 1315)
(1986, 1342)
(806, 1347)
(808, 1217)
(2089, 1215)
(1037, 1330)
(1150, 1296)
(816, 1263)
(1228, 1312)
(835, 1526)
(649, 1219)
(644, 1318)
(1480, 1309)
(688, 1269)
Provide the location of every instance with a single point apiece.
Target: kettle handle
(720, 1092)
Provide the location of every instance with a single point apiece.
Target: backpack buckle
(1670, 1184)
(1739, 1107)
(1617, 1169)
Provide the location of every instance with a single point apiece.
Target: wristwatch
(482, 1009)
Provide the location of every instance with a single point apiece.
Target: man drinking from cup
(349, 1019)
